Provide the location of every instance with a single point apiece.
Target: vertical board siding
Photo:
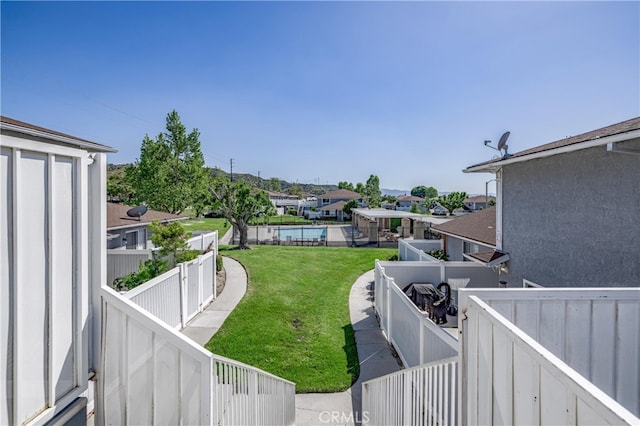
(124, 262)
(62, 266)
(6, 289)
(32, 310)
(161, 297)
(208, 277)
(193, 294)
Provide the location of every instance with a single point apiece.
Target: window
(131, 240)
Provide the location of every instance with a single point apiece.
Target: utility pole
(231, 164)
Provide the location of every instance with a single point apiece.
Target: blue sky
(322, 92)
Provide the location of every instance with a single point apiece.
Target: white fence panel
(208, 277)
(161, 297)
(415, 250)
(204, 241)
(415, 337)
(193, 291)
(154, 375)
(593, 330)
(151, 374)
(530, 385)
(424, 395)
(124, 262)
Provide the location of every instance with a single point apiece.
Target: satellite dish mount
(502, 145)
(137, 212)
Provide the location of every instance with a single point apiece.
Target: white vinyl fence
(123, 262)
(594, 331)
(415, 250)
(510, 378)
(415, 337)
(153, 375)
(203, 242)
(178, 295)
(423, 395)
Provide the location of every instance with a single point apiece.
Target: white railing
(510, 378)
(123, 262)
(203, 241)
(415, 337)
(151, 374)
(415, 250)
(424, 395)
(179, 294)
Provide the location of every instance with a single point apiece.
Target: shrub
(219, 264)
(148, 270)
(438, 254)
(394, 257)
(186, 255)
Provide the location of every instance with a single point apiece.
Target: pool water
(298, 233)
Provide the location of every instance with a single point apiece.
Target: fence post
(182, 273)
(202, 242)
(200, 283)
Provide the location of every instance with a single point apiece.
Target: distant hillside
(395, 192)
(252, 180)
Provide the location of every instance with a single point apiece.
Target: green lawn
(206, 224)
(294, 320)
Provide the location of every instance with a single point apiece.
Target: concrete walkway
(374, 353)
(206, 324)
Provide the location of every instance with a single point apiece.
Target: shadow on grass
(351, 352)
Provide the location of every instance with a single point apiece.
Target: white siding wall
(43, 272)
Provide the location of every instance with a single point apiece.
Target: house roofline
(58, 137)
(492, 167)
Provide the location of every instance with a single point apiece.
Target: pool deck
(269, 235)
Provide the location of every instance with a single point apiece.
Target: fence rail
(151, 375)
(423, 395)
(179, 294)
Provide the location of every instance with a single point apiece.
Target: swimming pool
(301, 233)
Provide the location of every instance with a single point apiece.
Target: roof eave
(90, 146)
(492, 167)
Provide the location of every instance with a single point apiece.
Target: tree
(345, 185)
(349, 206)
(360, 189)
(170, 174)
(172, 240)
(239, 203)
(372, 191)
(274, 184)
(296, 190)
(118, 188)
(424, 192)
(452, 201)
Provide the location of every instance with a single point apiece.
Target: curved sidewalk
(374, 352)
(208, 322)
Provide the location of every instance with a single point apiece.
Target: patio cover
(488, 258)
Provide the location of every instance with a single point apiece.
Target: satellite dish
(137, 211)
(502, 144)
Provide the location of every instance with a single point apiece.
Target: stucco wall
(454, 248)
(574, 219)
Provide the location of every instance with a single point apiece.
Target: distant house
(567, 211)
(472, 237)
(479, 202)
(406, 202)
(125, 232)
(332, 203)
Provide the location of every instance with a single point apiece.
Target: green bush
(438, 254)
(186, 255)
(219, 264)
(148, 270)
